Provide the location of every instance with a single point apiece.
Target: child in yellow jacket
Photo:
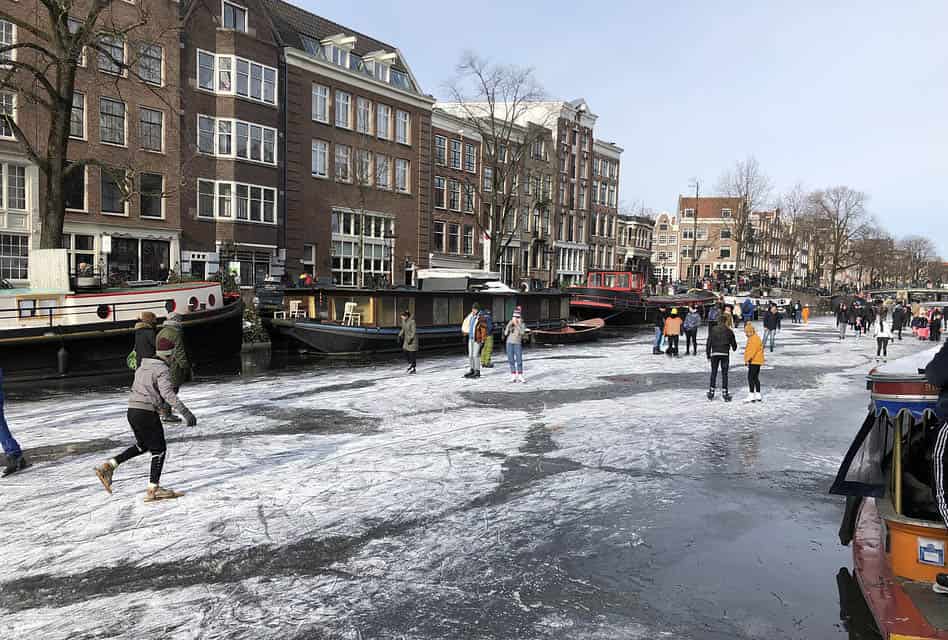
(754, 359)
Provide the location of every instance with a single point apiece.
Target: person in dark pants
(673, 332)
(409, 337)
(145, 337)
(770, 326)
(754, 359)
(659, 330)
(151, 389)
(11, 448)
(721, 342)
(692, 322)
(936, 374)
(934, 327)
(898, 319)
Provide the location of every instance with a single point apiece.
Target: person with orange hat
(673, 332)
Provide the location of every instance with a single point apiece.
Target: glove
(189, 417)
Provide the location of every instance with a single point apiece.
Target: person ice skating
(673, 332)
(145, 337)
(474, 328)
(842, 319)
(409, 337)
(660, 318)
(747, 310)
(513, 332)
(691, 324)
(11, 448)
(798, 311)
(151, 390)
(806, 314)
(178, 363)
(882, 332)
(771, 322)
(487, 349)
(714, 314)
(898, 319)
(754, 359)
(720, 343)
(936, 374)
(934, 326)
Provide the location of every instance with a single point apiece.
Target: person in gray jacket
(514, 333)
(409, 338)
(151, 390)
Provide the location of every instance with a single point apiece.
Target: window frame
(441, 143)
(337, 102)
(160, 196)
(379, 108)
(233, 197)
(246, 12)
(85, 128)
(407, 175)
(102, 140)
(403, 136)
(103, 173)
(14, 97)
(347, 178)
(328, 102)
(161, 148)
(85, 192)
(9, 56)
(122, 71)
(235, 125)
(161, 64)
(386, 162)
(5, 178)
(235, 62)
(325, 147)
(367, 128)
(434, 233)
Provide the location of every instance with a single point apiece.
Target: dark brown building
(123, 209)
(604, 206)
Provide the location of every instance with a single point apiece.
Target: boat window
(388, 312)
(545, 309)
(364, 306)
(595, 280)
(27, 308)
(440, 311)
(457, 310)
(564, 307)
(499, 310)
(623, 281)
(36, 307)
(609, 280)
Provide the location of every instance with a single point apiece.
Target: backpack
(131, 360)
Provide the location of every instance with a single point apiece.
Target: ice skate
(726, 396)
(14, 464)
(711, 394)
(104, 473)
(153, 494)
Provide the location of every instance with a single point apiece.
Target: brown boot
(104, 473)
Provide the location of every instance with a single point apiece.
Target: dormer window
(338, 56)
(380, 71)
(234, 16)
(311, 46)
(337, 49)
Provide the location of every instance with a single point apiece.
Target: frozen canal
(605, 498)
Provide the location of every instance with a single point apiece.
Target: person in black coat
(145, 337)
(898, 319)
(721, 342)
(771, 322)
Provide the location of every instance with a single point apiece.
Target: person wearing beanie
(11, 448)
(721, 342)
(754, 359)
(487, 349)
(474, 329)
(514, 332)
(409, 338)
(673, 332)
(151, 390)
(178, 363)
(691, 324)
(145, 337)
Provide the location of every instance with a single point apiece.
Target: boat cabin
(615, 280)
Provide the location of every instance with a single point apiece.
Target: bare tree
(747, 182)
(41, 68)
(795, 206)
(873, 250)
(498, 102)
(841, 215)
(918, 252)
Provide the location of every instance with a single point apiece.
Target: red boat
(897, 536)
(618, 298)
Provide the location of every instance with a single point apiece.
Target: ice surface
(362, 503)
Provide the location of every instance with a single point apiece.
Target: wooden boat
(572, 333)
(53, 334)
(343, 321)
(898, 538)
(618, 298)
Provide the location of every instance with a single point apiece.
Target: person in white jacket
(882, 330)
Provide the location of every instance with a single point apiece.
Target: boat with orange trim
(897, 536)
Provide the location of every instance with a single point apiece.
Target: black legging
(691, 339)
(149, 436)
(753, 377)
(672, 345)
(882, 347)
(719, 361)
(411, 356)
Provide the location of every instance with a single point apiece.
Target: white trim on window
(161, 196)
(320, 147)
(230, 193)
(227, 78)
(161, 64)
(239, 8)
(268, 138)
(85, 112)
(321, 93)
(140, 137)
(102, 175)
(7, 26)
(12, 96)
(124, 143)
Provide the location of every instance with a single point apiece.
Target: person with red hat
(514, 333)
(151, 390)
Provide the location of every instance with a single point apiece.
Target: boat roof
(26, 291)
(906, 368)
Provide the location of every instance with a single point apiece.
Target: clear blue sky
(846, 92)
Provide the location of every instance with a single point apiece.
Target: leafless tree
(747, 182)
(873, 253)
(918, 252)
(42, 70)
(795, 207)
(841, 215)
(498, 102)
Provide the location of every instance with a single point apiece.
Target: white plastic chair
(350, 316)
(296, 309)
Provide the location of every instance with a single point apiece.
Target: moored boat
(897, 536)
(618, 298)
(571, 333)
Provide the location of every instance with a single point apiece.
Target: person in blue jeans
(771, 322)
(659, 329)
(11, 448)
(514, 333)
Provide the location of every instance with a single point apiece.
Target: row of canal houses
(262, 139)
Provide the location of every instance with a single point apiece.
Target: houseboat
(897, 536)
(73, 326)
(618, 298)
(342, 321)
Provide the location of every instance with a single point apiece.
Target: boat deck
(931, 605)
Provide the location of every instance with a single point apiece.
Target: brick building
(707, 246)
(455, 193)
(123, 208)
(665, 248)
(604, 206)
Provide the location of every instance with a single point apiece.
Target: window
(361, 244)
(455, 154)
(454, 195)
(725, 252)
(380, 70)
(320, 158)
(7, 38)
(15, 187)
(401, 175)
(686, 234)
(320, 103)
(402, 126)
(150, 63)
(235, 17)
(364, 167)
(77, 118)
(338, 55)
(74, 26)
(7, 108)
(399, 79)
(488, 178)
(14, 256)
(343, 117)
(255, 82)
(689, 213)
(612, 195)
(112, 121)
(112, 54)
(235, 200)
(312, 46)
(725, 234)
(470, 161)
(468, 198)
(151, 199)
(437, 236)
(440, 192)
(363, 116)
(441, 150)
(454, 238)
(74, 188)
(468, 247)
(309, 255)
(342, 163)
(113, 196)
(383, 172)
(151, 129)
(383, 125)
(236, 139)
(725, 213)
